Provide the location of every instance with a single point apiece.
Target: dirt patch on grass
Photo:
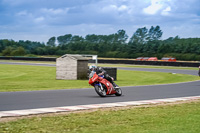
(8, 119)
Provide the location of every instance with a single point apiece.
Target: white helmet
(92, 66)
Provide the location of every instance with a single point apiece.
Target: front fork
(102, 89)
(100, 85)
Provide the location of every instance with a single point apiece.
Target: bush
(10, 51)
(7, 51)
(20, 51)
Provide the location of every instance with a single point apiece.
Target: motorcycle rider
(101, 72)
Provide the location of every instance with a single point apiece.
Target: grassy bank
(184, 118)
(29, 78)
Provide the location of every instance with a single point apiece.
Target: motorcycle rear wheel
(100, 91)
(118, 92)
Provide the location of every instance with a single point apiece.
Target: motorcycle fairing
(109, 86)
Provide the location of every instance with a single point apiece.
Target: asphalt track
(56, 98)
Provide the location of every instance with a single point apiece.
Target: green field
(148, 66)
(109, 65)
(29, 78)
(179, 118)
(26, 61)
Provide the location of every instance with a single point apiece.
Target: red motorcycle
(102, 86)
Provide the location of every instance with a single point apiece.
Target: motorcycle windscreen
(91, 74)
(93, 78)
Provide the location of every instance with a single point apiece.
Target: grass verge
(30, 78)
(172, 118)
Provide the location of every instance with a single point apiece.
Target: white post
(94, 57)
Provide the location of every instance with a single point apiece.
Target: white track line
(15, 113)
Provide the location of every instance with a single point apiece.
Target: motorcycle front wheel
(100, 90)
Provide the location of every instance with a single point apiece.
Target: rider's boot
(115, 85)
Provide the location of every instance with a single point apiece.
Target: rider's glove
(101, 73)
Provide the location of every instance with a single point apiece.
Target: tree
(154, 33)
(77, 39)
(51, 42)
(140, 36)
(41, 51)
(66, 39)
(122, 36)
(92, 38)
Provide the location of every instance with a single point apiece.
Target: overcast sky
(38, 20)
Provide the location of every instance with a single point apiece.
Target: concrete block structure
(111, 71)
(71, 67)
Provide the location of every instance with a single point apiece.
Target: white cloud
(39, 19)
(115, 8)
(109, 8)
(122, 8)
(55, 11)
(166, 11)
(22, 13)
(155, 6)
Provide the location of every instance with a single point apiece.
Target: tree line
(143, 42)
